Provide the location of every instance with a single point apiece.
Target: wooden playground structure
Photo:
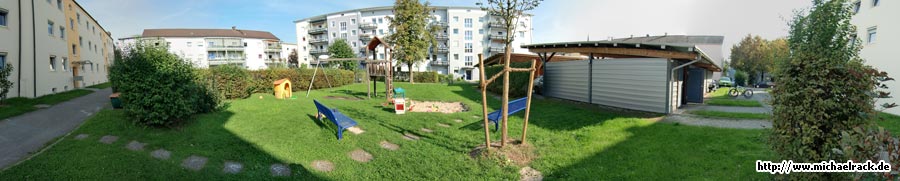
(374, 68)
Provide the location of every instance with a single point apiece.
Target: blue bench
(341, 120)
(514, 107)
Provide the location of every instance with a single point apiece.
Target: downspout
(34, 48)
(672, 74)
(591, 78)
(19, 77)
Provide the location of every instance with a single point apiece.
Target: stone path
(719, 123)
(280, 170)
(135, 146)
(81, 136)
(23, 135)
(530, 174)
(735, 109)
(108, 139)
(427, 130)
(323, 165)
(194, 162)
(360, 155)
(389, 146)
(355, 130)
(161, 154)
(410, 136)
(460, 120)
(443, 125)
(232, 167)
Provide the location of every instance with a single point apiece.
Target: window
(456, 19)
(2, 60)
(59, 4)
(74, 49)
(65, 64)
(343, 26)
(50, 27)
(468, 34)
(80, 41)
(468, 48)
(875, 3)
(468, 22)
(381, 32)
(71, 23)
(189, 44)
(856, 6)
(79, 17)
(872, 32)
(353, 32)
(333, 35)
(380, 20)
(332, 24)
(62, 32)
(353, 21)
(354, 44)
(344, 35)
(455, 31)
(245, 44)
(521, 34)
(52, 63)
(480, 31)
(374, 20)
(3, 14)
(469, 60)
(480, 19)
(455, 56)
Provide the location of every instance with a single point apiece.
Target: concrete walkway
(23, 135)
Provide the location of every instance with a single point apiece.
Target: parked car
(726, 82)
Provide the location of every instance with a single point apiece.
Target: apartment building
(206, 48)
(53, 46)
(466, 32)
(877, 29)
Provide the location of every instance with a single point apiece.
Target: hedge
(518, 81)
(260, 81)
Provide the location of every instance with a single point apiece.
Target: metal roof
(677, 43)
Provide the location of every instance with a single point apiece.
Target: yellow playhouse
(283, 89)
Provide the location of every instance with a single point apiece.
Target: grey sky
(555, 20)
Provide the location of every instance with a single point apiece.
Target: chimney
(233, 27)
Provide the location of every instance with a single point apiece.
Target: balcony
(318, 52)
(441, 36)
(498, 37)
(440, 23)
(318, 41)
(498, 49)
(368, 26)
(365, 37)
(442, 50)
(274, 48)
(225, 47)
(499, 25)
(227, 60)
(440, 63)
(315, 31)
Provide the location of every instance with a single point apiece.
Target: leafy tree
(825, 94)
(508, 12)
(778, 51)
(5, 83)
(752, 56)
(340, 49)
(412, 35)
(293, 61)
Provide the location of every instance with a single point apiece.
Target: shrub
(233, 82)
(262, 79)
(5, 83)
(158, 88)
(518, 81)
(740, 78)
(427, 77)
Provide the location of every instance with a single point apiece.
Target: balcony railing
(441, 36)
(498, 49)
(365, 37)
(225, 47)
(497, 25)
(440, 63)
(498, 37)
(440, 23)
(227, 60)
(314, 51)
(469, 64)
(320, 40)
(442, 50)
(314, 31)
(368, 26)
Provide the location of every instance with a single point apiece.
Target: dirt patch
(437, 107)
(514, 153)
(342, 98)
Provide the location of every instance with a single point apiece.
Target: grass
(720, 98)
(101, 86)
(18, 106)
(890, 122)
(573, 142)
(732, 115)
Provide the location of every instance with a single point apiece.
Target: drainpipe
(19, 77)
(34, 48)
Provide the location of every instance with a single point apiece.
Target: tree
(5, 83)
(752, 56)
(293, 61)
(412, 36)
(825, 93)
(340, 49)
(778, 51)
(508, 12)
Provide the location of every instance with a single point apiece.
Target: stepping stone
(361, 155)
(41, 106)
(389, 146)
(232, 167)
(530, 174)
(81, 136)
(323, 165)
(443, 125)
(410, 136)
(355, 130)
(135, 146)
(427, 130)
(280, 170)
(194, 162)
(161, 154)
(460, 120)
(109, 139)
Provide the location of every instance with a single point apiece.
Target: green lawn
(891, 123)
(732, 115)
(101, 86)
(18, 106)
(573, 142)
(720, 98)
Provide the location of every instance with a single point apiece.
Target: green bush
(518, 81)
(262, 79)
(427, 77)
(233, 82)
(158, 88)
(740, 78)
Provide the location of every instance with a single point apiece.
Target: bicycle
(738, 90)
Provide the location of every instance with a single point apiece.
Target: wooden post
(528, 103)
(487, 127)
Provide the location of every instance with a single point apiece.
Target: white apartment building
(879, 32)
(205, 48)
(468, 31)
(53, 46)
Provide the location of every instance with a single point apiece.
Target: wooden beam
(520, 69)
(613, 51)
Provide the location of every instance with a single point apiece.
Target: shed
(652, 76)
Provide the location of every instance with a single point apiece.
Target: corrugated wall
(638, 84)
(634, 83)
(567, 80)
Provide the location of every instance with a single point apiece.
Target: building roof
(673, 47)
(208, 33)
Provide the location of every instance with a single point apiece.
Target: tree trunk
(411, 80)
(505, 108)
